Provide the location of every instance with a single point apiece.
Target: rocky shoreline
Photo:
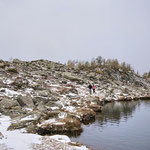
(48, 98)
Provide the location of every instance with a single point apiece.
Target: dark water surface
(120, 126)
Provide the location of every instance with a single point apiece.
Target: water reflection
(120, 126)
(114, 112)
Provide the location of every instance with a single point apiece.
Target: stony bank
(47, 98)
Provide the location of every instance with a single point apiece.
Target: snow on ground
(51, 121)
(28, 90)
(80, 148)
(28, 109)
(72, 94)
(70, 108)
(55, 108)
(62, 115)
(9, 93)
(59, 123)
(47, 122)
(16, 140)
(7, 81)
(61, 138)
(66, 139)
(29, 117)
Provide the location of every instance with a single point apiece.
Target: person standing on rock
(93, 88)
(90, 88)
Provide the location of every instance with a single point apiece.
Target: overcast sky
(60, 30)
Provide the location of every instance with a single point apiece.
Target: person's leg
(90, 91)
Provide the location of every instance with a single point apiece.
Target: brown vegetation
(146, 75)
(98, 64)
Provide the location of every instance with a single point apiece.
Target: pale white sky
(60, 30)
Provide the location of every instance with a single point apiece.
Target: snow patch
(7, 81)
(70, 108)
(81, 147)
(9, 93)
(65, 139)
(62, 115)
(24, 140)
(29, 118)
(55, 108)
(59, 123)
(28, 90)
(61, 138)
(50, 121)
(29, 109)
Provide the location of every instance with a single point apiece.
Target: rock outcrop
(47, 98)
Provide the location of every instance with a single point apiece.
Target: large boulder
(66, 90)
(15, 111)
(47, 101)
(53, 126)
(19, 83)
(84, 114)
(41, 106)
(44, 93)
(16, 61)
(25, 101)
(95, 107)
(72, 78)
(25, 120)
(73, 90)
(117, 91)
(2, 65)
(8, 103)
(12, 70)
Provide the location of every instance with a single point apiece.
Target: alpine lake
(120, 126)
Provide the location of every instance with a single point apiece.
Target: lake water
(120, 126)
